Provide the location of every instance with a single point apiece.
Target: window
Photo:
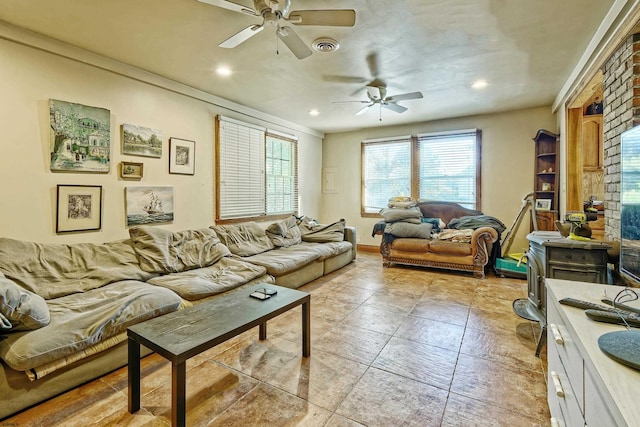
(435, 166)
(256, 173)
(449, 167)
(386, 171)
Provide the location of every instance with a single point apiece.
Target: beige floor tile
(432, 332)
(260, 359)
(211, 388)
(384, 399)
(323, 379)
(340, 421)
(331, 310)
(516, 350)
(268, 406)
(393, 300)
(495, 320)
(464, 411)
(505, 387)
(443, 311)
(421, 362)
(375, 319)
(360, 345)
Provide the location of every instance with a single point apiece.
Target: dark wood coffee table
(183, 334)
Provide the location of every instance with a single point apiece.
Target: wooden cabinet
(546, 179)
(585, 387)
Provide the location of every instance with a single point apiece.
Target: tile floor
(390, 347)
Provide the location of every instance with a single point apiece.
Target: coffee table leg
(133, 369)
(262, 331)
(178, 398)
(306, 328)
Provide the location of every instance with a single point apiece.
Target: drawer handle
(557, 336)
(556, 384)
(554, 422)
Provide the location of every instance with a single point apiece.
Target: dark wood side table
(183, 334)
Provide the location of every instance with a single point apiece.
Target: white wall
(30, 77)
(507, 166)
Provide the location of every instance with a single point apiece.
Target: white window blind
(386, 171)
(282, 174)
(257, 171)
(449, 168)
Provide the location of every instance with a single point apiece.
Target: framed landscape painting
(79, 208)
(148, 205)
(182, 156)
(80, 137)
(141, 141)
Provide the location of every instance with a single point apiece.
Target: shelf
(546, 175)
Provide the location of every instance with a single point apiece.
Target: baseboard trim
(368, 248)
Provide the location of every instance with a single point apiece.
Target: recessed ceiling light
(479, 84)
(314, 112)
(223, 71)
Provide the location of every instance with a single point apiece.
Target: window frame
(415, 166)
(220, 216)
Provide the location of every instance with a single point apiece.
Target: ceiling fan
(384, 101)
(274, 11)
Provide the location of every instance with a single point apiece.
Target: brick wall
(621, 112)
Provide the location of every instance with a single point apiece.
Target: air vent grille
(325, 45)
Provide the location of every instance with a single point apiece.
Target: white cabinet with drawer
(586, 387)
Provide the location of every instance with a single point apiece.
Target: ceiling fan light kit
(274, 11)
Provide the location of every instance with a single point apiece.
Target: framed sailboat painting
(148, 205)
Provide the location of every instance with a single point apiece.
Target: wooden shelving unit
(546, 179)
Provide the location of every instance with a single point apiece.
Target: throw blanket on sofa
(475, 222)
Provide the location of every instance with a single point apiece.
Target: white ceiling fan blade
(404, 96)
(329, 17)
(293, 42)
(242, 36)
(344, 102)
(231, 6)
(363, 109)
(394, 107)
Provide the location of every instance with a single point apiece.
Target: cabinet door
(546, 220)
(592, 152)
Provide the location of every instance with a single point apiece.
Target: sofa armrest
(350, 236)
(482, 241)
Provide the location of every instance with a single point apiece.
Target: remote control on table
(572, 302)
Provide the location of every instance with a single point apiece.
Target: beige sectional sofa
(64, 309)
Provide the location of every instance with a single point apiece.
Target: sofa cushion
(81, 320)
(284, 233)
(226, 274)
(285, 260)
(405, 229)
(445, 247)
(401, 214)
(312, 232)
(21, 310)
(244, 239)
(163, 251)
(55, 270)
(327, 249)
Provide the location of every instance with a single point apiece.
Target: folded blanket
(477, 221)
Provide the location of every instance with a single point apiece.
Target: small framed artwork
(543, 204)
(141, 141)
(131, 170)
(79, 208)
(182, 156)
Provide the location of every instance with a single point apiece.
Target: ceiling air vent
(325, 45)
